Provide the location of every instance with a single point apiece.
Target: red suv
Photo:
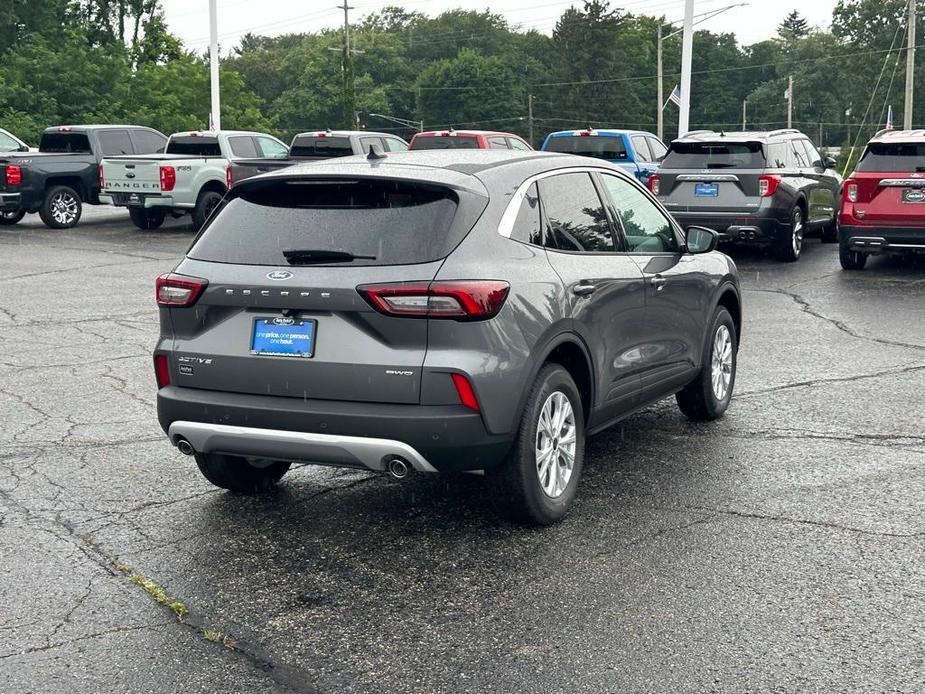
(883, 201)
(467, 139)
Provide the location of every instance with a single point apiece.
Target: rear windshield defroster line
(392, 222)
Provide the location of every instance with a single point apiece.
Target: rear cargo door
(282, 314)
(130, 178)
(716, 177)
(891, 184)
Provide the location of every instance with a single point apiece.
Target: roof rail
(784, 131)
(882, 131)
(698, 132)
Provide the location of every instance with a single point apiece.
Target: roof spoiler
(694, 133)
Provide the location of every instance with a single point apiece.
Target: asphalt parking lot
(779, 549)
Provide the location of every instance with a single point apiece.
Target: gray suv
(766, 188)
(438, 311)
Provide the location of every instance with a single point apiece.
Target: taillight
(851, 190)
(462, 300)
(767, 185)
(653, 183)
(13, 174)
(99, 172)
(168, 178)
(179, 291)
(228, 180)
(161, 370)
(465, 392)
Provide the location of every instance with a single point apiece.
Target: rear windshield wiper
(920, 169)
(307, 256)
(719, 165)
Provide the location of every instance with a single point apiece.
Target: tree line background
(84, 61)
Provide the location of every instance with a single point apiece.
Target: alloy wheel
(64, 208)
(721, 369)
(556, 442)
(797, 235)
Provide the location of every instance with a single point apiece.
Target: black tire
(519, 491)
(236, 474)
(699, 400)
(146, 219)
(830, 231)
(851, 260)
(11, 218)
(789, 248)
(61, 208)
(208, 200)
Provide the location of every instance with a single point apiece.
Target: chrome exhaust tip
(397, 468)
(185, 447)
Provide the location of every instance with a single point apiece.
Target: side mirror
(701, 240)
(829, 163)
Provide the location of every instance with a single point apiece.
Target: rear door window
(7, 143)
(393, 222)
(321, 146)
(597, 146)
(518, 144)
(65, 142)
(575, 216)
(148, 142)
(714, 155)
(798, 154)
(393, 144)
(271, 148)
(195, 146)
(497, 143)
(243, 147)
(446, 142)
(645, 227)
(114, 143)
(905, 157)
(658, 149)
(641, 145)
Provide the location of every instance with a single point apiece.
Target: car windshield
(893, 156)
(714, 155)
(388, 222)
(64, 142)
(598, 146)
(446, 142)
(321, 146)
(194, 145)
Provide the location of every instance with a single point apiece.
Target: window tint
(7, 143)
(272, 149)
(597, 146)
(148, 142)
(527, 226)
(195, 146)
(445, 142)
(497, 143)
(321, 147)
(777, 155)
(812, 154)
(115, 142)
(64, 142)
(393, 144)
(575, 217)
(646, 229)
(904, 157)
(396, 222)
(642, 148)
(714, 155)
(243, 147)
(658, 149)
(516, 143)
(798, 154)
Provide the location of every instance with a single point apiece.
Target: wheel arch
(74, 182)
(729, 297)
(569, 351)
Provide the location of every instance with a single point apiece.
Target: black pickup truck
(64, 173)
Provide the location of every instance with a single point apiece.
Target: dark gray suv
(438, 311)
(767, 188)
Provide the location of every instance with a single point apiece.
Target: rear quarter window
(894, 156)
(714, 155)
(395, 222)
(194, 146)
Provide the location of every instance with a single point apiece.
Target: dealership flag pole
(215, 121)
(910, 67)
(687, 55)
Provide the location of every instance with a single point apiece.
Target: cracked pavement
(779, 549)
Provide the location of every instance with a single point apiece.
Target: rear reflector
(466, 394)
(767, 185)
(168, 178)
(161, 370)
(460, 300)
(13, 174)
(177, 290)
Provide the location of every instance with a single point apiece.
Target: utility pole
(790, 102)
(661, 88)
(687, 55)
(530, 117)
(350, 114)
(744, 115)
(215, 119)
(910, 67)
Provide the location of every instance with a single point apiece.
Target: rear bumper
(739, 226)
(882, 239)
(445, 438)
(10, 202)
(145, 201)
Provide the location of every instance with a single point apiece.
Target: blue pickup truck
(636, 151)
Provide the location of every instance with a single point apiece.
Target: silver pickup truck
(191, 176)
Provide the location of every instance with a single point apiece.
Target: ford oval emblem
(279, 275)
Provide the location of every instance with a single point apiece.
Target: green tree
(793, 27)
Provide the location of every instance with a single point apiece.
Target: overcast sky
(189, 19)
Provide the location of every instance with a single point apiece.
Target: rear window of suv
(197, 146)
(64, 142)
(714, 155)
(893, 156)
(395, 222)
(597, 146)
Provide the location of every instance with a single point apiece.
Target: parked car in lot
(468, 139)
(191, 176)
(64, 174)
(883, 200)
(635, 151)
(767, 188)
(10, 143)
(439, 311)
(316, 146)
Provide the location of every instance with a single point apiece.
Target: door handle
(658, 282)
(583, 289)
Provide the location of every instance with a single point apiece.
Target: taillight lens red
(461, 300)
(851, 190)
(13, 174)
(161, 370)
(654, 183)
(168, 178)
(178, 291)
(99, 173)
(767, 185)
(465, 392)
(228, 179)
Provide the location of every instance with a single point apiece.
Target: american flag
(675, 96)
(889, 118)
